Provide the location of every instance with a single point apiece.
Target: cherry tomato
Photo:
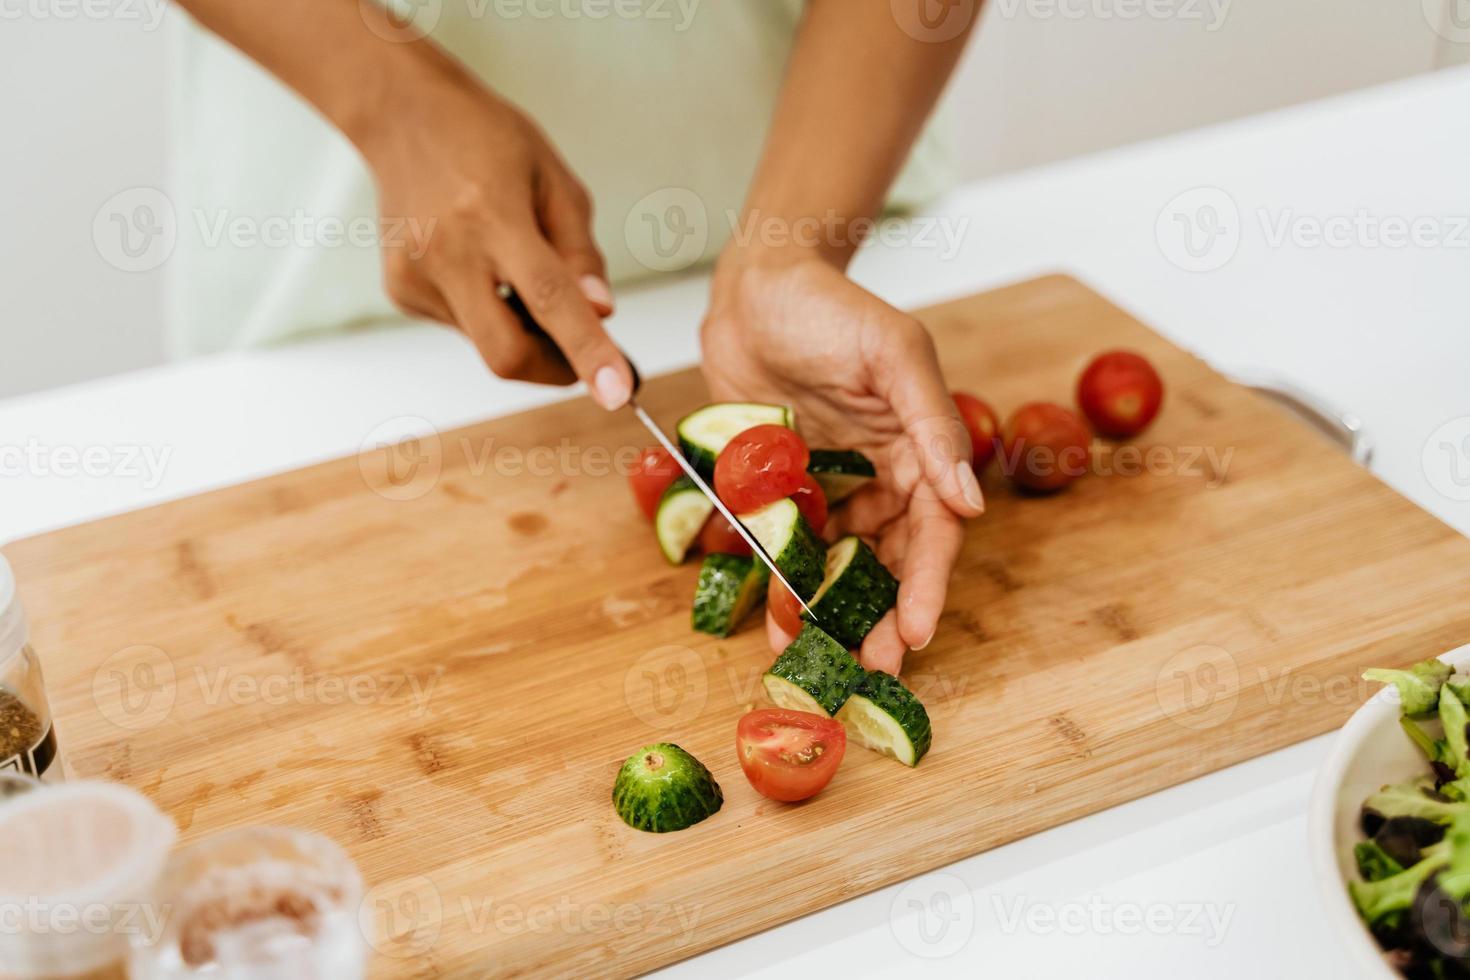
(719, 538)
(812, 503)
(983, 425)
(785, 607)
(789, 755)
(760, 465)
(652, 472)
(1045, 447)
(1120, 393)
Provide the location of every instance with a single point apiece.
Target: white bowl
(1371, 750)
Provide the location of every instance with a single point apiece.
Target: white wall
(85, 116)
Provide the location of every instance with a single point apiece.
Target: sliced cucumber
(682, 511)
(730, 586)
(855, 593)
(662, 788)
(840, 472)
(791, 543)
(815, 673)
(884, 716)
(704, 433)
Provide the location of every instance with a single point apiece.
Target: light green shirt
(659, 106)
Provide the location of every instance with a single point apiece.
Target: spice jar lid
(13, 631)
(78, 862)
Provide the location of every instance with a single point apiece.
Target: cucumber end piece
(662, 788)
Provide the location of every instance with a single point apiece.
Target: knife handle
(517, 306)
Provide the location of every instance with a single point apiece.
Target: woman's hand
(494, 204)
(860, 375)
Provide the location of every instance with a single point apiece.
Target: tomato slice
(1120, 393)
(652, 472)
(785, 607)
(981, 421)
(812, 503)
(760, 465)
(789, 755)
(720, 538)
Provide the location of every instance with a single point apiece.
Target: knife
(518, 307)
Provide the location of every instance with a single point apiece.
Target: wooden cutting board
(440, 654)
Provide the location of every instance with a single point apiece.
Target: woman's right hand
(489, 201)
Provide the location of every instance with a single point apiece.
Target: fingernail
(928, 639)
(609, 388)
(597, 292)
(969, 486)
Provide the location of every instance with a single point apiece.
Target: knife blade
(518, 306)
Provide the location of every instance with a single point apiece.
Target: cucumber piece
(704, 433)
(730, 586)
(855, 594)
(815, 673)
(840, 472)
(884, 716)
(792, 544)
(662, 788)
(682, 511)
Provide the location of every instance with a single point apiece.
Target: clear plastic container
(27, 737)
(263, 903)
(77, 866)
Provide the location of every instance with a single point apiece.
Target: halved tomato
(785, 607)
(652, 472)
(760, 465)
(789, 755)
(719, 538)
(812, 503)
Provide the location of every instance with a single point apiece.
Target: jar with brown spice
(27, 738)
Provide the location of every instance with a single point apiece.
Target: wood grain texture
(513, 634)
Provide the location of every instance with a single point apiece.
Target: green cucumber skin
(840, 472)
(890, 695)
(821, 667)
(853, 604)
(687, 795)
(730, 586)
(702, 459)
(804, 560)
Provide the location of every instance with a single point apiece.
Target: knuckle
(547, 289)
(511, 362)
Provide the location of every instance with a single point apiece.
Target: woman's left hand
(860, 375)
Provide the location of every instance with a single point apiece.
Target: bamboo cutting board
(440, 654)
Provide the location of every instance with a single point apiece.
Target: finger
(883, 648)
(935, 537)
(565, 213)
(778, 638)
(504, 344)
(547, 286)
(936, 437)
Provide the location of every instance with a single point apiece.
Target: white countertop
(1206, 879)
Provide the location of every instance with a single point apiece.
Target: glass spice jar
(27, 738)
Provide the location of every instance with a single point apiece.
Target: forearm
(858, 92)
(345, 57)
